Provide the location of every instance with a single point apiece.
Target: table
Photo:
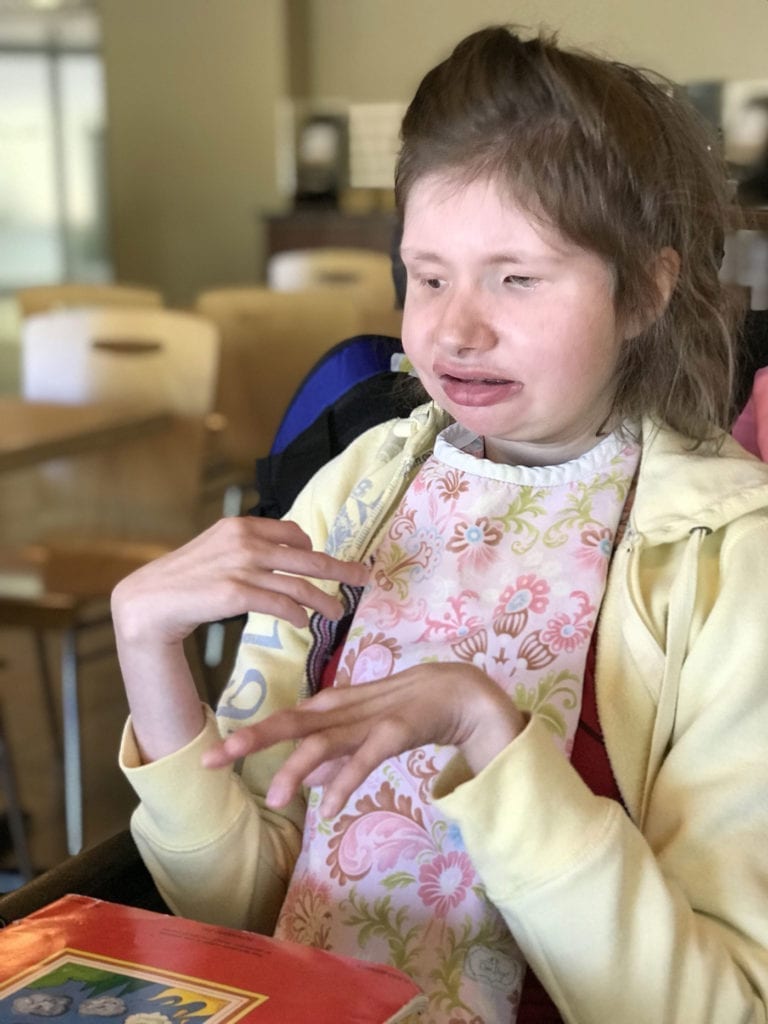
(35, 432)
(32, 432)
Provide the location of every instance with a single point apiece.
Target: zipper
(682, 602)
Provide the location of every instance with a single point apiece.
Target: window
(52, 170)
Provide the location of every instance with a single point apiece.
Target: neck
(519, 453)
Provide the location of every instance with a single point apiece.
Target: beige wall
(192, 88)
(378, 49)
(191, 91)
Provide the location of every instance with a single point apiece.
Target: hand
(345, 732)
(239, 564)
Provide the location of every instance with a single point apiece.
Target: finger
(238, 744)
(315, 751)
(271, 544)
(288, 724)
(386, 740)
(359, 747)
(326, 772)
(288, 596)
(282, 545)
(315, 564)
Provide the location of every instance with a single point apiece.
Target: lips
(477, 389)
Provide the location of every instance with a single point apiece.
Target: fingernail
(328, 808)
(275, 797)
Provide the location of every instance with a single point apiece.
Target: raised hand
(237, 565)
(344, 733)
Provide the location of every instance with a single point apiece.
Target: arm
(240, 564)
(214, 851)
(212, 845)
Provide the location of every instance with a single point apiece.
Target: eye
(432, 284)
(519, 281)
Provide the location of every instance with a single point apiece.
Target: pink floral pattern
(375, 657)
(528, 594)
(444, 881)
(481, 571)
(475, 540)
(569, 631)
(307, 908)
(383, 829)
(451, 486)
(597, 545)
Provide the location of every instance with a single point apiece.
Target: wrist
(497, 721)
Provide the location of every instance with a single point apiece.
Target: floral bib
(503, 567)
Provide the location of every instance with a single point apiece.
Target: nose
(464, 325)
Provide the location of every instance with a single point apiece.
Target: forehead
(477, 214)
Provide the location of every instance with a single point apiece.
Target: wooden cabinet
(312, 229)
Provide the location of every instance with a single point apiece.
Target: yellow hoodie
(655, 916)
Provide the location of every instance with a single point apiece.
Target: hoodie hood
(681, 492)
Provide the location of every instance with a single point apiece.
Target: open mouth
(478, 391)
(481, 380)
(475, 380)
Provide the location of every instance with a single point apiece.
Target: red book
(81, 959)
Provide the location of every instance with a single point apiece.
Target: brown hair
(619, 166)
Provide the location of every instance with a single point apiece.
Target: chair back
(152, 357)
(328, 267)
(363, 274)
(148, 487)
(269, 340)
(40, 298)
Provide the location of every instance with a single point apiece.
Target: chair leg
(47, 687)
(73, 782)
(14, 810)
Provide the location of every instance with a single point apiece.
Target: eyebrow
(495, 259)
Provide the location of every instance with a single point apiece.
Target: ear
(666, 270)
(666, 273)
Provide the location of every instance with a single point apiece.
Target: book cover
(80, 959)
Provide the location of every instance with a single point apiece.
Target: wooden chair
(105, 514)
(363, 274)
(41, 298)
(269, 340)
(111, 870)
(13, 810)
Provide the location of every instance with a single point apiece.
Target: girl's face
(510, 327)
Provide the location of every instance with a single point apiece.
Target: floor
(107, 797)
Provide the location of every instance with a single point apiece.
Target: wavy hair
(621, 166)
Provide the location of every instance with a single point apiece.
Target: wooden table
(35, 432)
(32, 432)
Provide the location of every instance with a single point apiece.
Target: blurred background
(151, 140)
